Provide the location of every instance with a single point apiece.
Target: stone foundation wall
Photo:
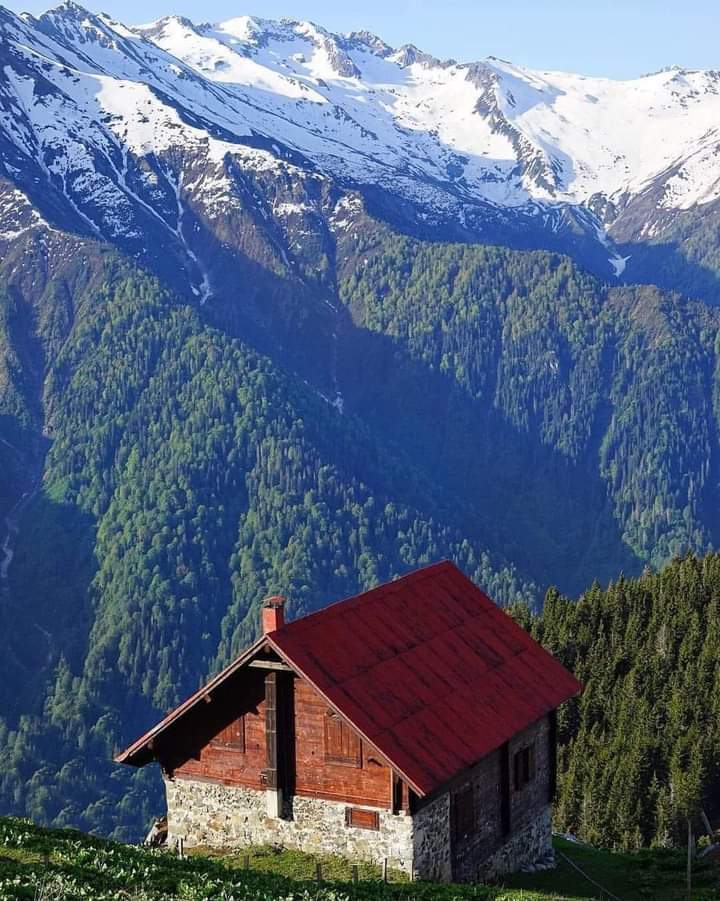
(431, 841)
(529, 849)
(206, 813)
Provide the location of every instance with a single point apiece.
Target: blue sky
(618, 38)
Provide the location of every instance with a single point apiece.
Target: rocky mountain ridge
(126, 131)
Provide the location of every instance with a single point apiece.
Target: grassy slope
(44, 864)
(651, 875)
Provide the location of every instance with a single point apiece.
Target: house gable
(198, 747)
(223, 739)
(428, 670)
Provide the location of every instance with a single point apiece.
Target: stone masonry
(431, 841)
(530, 847)
(206, 813)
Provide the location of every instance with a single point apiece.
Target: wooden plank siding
(217, 761)
(327, 758)
(367, 782)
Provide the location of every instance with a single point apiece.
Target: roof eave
(143, 743)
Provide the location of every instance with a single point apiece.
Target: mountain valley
(289, 311)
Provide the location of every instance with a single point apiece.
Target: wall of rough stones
(207, 813)
(431, 841)
(529, 849)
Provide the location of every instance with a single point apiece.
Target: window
(464, 812)
(524, 766)
(232, 736)
(342, 745)
(362, 819)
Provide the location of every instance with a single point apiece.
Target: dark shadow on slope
(17, 450)
(525, 501)
(664, 264)
(46, 613)
(667, 267)
(487, 225)
(497, 484)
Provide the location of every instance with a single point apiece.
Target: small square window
(524, 766)
(464, 812)
(342, 745)
(232, 736)
(362, 819)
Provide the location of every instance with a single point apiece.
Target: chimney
(273, 614)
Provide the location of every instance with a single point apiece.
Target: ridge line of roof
(329, 609)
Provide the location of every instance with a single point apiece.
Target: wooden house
(413, 723)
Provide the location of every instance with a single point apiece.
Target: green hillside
(45, 864)
(497, 407)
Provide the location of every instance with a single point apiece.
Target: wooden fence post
(689, 860)
(318, 871)
(354, 873)
(384, 870)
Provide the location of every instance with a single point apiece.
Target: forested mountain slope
(640, 748)
(484, 400)
(249, 345)
(186, 476)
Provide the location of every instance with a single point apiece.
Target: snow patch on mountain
(17, 214)
(598, 135)
(114, 115)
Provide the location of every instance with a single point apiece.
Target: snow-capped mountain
(155, 136)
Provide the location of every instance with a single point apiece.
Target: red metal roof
(427, 668)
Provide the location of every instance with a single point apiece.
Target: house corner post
(273, 790)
